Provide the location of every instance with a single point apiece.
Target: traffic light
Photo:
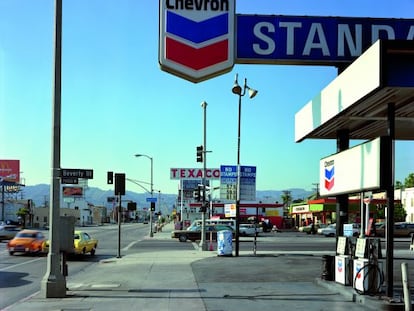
(200, 153)
(152, 206)
(119, 184)
(110, 178)
(197, 194)
(203, 208)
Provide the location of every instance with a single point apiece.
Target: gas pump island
(370, 100)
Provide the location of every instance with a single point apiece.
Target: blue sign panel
(152, 200)
(312, 40)
(228, 182)
(248, 183)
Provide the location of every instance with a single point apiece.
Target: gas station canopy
(358, 99)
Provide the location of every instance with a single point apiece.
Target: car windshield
(27, 235)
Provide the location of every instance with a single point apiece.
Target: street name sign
(70, 180)
(76, 173)
(152, 200)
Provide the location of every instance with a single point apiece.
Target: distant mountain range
(40, 194)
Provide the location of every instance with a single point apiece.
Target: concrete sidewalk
(190, 279)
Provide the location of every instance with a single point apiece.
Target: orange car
(27, 241)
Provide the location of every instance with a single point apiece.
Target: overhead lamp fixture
(252, 92)
(241, 92)
(236, 87)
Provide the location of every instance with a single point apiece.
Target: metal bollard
(406, 286)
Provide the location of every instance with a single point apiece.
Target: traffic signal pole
(203, 243)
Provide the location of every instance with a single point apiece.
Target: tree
(399, 213)
(22, 212)
(409, 181)
(286, 197)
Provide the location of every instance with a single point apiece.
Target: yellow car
(83, 243)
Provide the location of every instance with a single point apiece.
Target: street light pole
(240, 92)
(53, 284)
(151, 233)
(203, 243)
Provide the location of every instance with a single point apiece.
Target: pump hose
(372, 289)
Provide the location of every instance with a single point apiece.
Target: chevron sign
(329, 177)
(196, 40)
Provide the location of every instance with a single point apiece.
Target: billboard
(72, 191)
(10, 171)
(354, 170)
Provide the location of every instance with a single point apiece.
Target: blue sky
(116, 101)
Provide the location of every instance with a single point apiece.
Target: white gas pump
(343, 262)
(368, 275)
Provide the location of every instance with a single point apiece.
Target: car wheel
(84, 251)
(93, 250)
(11, 253)
(182, 238)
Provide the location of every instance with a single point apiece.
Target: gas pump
(343, 260)
(368, 275)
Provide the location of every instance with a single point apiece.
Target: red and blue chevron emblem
(196, 41)
(329, 177)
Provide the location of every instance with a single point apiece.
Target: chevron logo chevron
(329, 177)
(196, 39)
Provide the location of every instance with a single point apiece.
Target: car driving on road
(193, 233)
(28, 242)
(249, 229)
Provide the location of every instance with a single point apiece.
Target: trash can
(328, 267)
(224, 243)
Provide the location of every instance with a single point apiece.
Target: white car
(331, 230)
(249, 229)
(328, 231)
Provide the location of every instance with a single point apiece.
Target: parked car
(308, 229)
(83, 243)
(193, 233)
(8, 232)
(331, 230)
(249, 229)
(328, 231)
(27, 241)
(401, 229)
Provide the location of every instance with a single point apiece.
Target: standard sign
(76, 173)
(312, 40)
(196, 39)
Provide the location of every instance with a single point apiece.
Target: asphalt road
(21, 275)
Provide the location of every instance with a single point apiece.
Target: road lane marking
(20, 264)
